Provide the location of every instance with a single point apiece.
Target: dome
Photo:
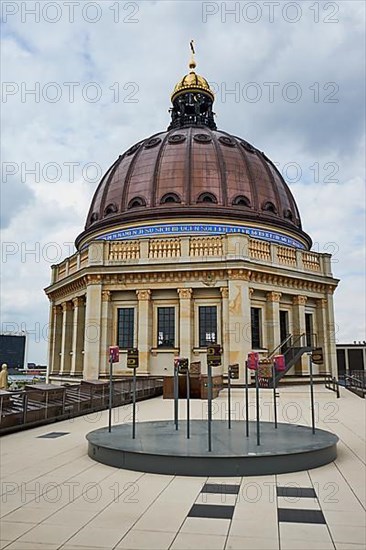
(192, 82)
(195, 173)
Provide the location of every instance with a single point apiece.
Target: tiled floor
(53, 496)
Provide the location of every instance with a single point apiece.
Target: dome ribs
(154, 199)
(126, 187)
(188, 169)
(222, 167)
(106, 188)
(253, 187)
(280, 206)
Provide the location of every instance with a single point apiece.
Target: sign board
(253, 360)
(181, 363)
(233, 371)
(114, 354)
(317, 356)
(132, 358)
(279, 363)
(214, 352)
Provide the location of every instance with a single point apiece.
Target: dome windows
(169, 198)
(269, 207)
(110, 209)
(207, 197)
(94, 217)
(136, 202)
(288, 214)
(241, 200)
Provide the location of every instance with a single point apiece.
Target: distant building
(12, 350)
(192, 237)
(351, 357)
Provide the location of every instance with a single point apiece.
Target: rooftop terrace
(54, 496)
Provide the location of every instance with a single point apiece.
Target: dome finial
(192, 62)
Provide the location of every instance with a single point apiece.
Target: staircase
(293, 347)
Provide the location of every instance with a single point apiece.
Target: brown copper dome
(193, 172)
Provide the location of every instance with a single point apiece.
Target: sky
(83, 81)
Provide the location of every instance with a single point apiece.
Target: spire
(192, 63)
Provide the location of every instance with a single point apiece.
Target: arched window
(110, 209)
(136, 202)
(241, 200)
(169, 198)
(288, 214)
(207, 197)
(269, 207)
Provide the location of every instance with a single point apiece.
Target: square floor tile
(189, 541)
(221, 488)
(296, 492)
(52, 435)
(206, 526)
(211, 511)
(292, 515)
(149, 540)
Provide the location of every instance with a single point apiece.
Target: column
(225, 321)
(273, 320)
(144, 329)
(299, 327)
(185, 322)
(55, 343)
(239, 318)
(106, 332)
(78, 327)
(331, 333)
(66, 343)
(92, 327)
(322, 332)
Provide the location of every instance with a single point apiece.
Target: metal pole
(246, 400)
(209, 398)
(176, 397)
(188, 392)
(134, 405)
(257, 405)
(274, 392)
(229, 400)
(312, 395)
(110, 394)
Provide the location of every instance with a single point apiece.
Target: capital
(273, 296)
(143, 294)
(299, 300)
(184, 293)
(224, 291)
(106, 295)
(79, 301)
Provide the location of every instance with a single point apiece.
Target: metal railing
(356, 382)
(31, 407)
(331, 383)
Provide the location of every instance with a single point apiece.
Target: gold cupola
(192, 82)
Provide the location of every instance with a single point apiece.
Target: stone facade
(232, 272)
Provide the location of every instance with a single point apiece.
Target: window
(241, 200)
(207, 197)
(269, 207)
(136, 202)
(169, 197)
(125, 327)
(309, 329)
(207, 325)
(255, 321)
(166, 327)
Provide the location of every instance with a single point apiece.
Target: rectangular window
(309, 329)
(284, 333)
(207, 325)
(125, 327)
(255, 318)
(166, 327)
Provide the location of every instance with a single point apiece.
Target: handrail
(331, 383)
(349, 377)
(272, 353)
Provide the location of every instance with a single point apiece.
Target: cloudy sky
(83, 81)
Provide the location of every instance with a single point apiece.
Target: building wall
(232, 272)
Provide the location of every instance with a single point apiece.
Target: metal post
(274, 393)
(134, 405)
(229, 399)
(312, 395)
(246, 400)
(188, 394)
(110, 393)
(257, 405)
(176, 397)
(209, 398)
